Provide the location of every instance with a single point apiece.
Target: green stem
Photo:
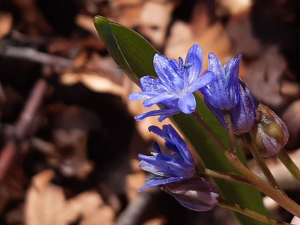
(258, 183)
(230, 133)
(238, 208)
(224, 176)
(260, 162)
(289, 164)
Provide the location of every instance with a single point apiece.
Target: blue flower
(174, 86)
(168, 167)
(223, 92)
(242, 114)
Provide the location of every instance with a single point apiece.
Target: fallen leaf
(86, 22)
(6, 21)
(92, 81)
(45, 201)
(46, 204)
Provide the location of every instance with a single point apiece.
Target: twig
(135, 210)
(23, 124)
(33, 55)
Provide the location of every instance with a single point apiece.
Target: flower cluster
(176, 172)
(221, 87)
(174, 86)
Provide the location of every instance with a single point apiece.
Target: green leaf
(135, 56)
(132, 53)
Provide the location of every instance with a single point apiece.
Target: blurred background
(68, 139)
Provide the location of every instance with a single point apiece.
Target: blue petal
(168, 114)
(215, 66)
(169, 165)
(159, 132)
(223, 92)
(233, 80)
(218, 113)
(141, 96)
(243, 114)
(157, 99)
(194, 57)
(152, 84)
(150, 168)
(157, 148)
(160, 181)
(187, 103)
(172, 147)
(182, 147)
(165, 112)
(202, 81)
(229, 65)
(166, 73)
(174, 64)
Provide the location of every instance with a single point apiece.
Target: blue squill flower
(242, 114)
(223, 92)
(168, 167)
(174, 86)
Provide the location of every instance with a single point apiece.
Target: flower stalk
(230, 133)
(224, 176)
(241, 209)
(261, 163)
(289, 164)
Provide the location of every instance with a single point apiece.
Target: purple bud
(243, 114)
(196, 193)
(270, 134)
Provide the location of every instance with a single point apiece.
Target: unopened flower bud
(196, 193)
(270, 133)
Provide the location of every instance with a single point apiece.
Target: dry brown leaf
(32, 16)
(82, 204)
(69, 78)
(102, 216)
(156, 221)
(213, 39)
(74, 163)
(92, 81)
(44, 202)
(126, 12)
(133, 183)
(6, 21)
(81, 59)
(103, 64)
(233, 7)
(101, 84)
(86, 22)
(155, 27)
